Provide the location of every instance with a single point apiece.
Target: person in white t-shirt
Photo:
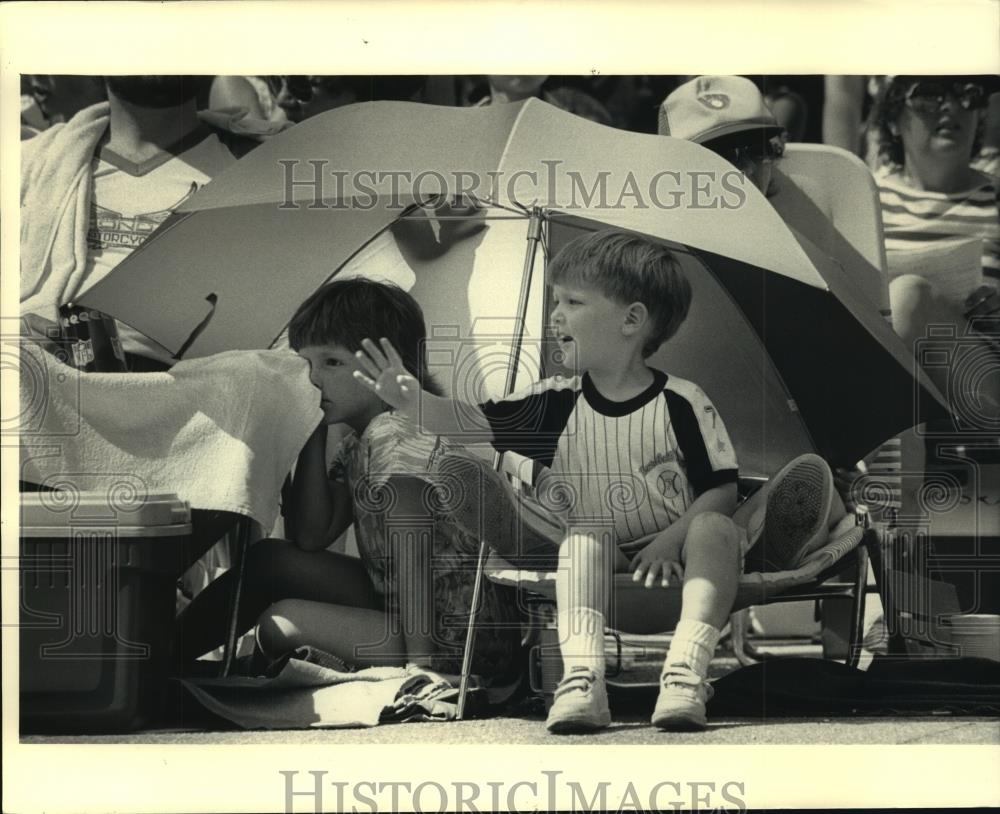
(153, 153)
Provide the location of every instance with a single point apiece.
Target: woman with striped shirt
(931, 130)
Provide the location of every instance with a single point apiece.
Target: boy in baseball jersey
(639, 471)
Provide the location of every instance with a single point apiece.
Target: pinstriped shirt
(636, 464)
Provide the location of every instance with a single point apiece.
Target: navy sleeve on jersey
(531, 426)
(701, 474)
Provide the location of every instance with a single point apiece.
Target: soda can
(91, 337)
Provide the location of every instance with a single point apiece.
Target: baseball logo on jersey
(668, 482)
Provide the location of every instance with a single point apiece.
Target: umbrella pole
(533, 237)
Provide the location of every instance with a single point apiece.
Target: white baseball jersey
(638, 464)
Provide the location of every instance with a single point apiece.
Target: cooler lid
(101, 507)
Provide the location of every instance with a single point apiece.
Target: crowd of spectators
(932, 143)
(837, 110)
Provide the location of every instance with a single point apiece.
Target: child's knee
(914, 302)
(716, 532)
(910, 288)
(276, 631)
(713, 526)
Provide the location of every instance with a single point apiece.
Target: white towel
(222, 432)
(55, 201)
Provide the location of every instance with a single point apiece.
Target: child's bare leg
(275, 569)
(712, 564)
(711, 558)
(359, 636)
(410, 550)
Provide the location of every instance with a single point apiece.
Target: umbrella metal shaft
(533, 237)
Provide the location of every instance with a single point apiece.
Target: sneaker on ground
(580, 703)
(797, 514)
(680, 706)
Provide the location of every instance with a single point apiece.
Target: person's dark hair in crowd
(304, 96)
(341, 313)
(499, 88)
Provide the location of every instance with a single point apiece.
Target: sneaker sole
(567, 726)
(798, 509)
(677, 721)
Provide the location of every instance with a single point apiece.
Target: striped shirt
(914, 218)
(637, 464)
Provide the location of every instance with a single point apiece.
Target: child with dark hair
(640, 474)
(390, 606)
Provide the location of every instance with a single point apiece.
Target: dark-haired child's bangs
(344, 312)
(329, 320)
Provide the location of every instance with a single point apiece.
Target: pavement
(524, 724)
(630, 729)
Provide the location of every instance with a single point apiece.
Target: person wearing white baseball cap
(727, 115)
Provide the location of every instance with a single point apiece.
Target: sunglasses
(756, 154)
(928, 97)
(300, 88)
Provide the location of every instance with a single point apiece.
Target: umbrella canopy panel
(272, 227)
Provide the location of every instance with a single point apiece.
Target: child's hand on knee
(659, 560)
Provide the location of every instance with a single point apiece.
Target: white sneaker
(680, 706)
(581, 703)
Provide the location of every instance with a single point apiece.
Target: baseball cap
(709, 107)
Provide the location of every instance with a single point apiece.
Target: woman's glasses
(300, 88)
(928, 97)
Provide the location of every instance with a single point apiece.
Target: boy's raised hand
(387, 375)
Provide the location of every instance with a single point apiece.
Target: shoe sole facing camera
(577, 724)
(676, 720)
(798, 510)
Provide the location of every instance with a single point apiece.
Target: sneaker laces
(582, 678)
(680, 675)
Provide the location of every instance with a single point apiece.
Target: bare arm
(663, 555)
(234, 91)
(387, 376)
(844, 96)
(320, 510)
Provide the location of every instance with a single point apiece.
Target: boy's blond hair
(629, 268)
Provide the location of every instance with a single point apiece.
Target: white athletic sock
(581, 639)
(693, 644)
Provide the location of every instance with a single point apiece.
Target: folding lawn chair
(642, 611)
